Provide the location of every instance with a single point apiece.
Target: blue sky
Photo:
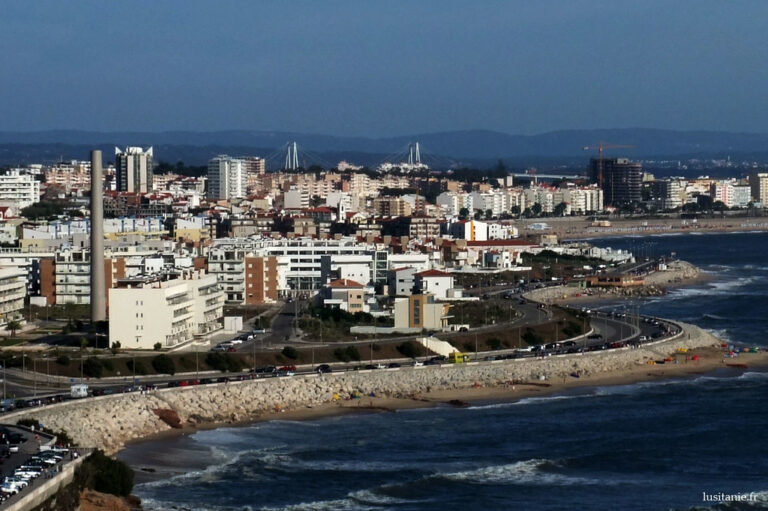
(383, 68)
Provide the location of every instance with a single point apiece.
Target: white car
(13, 448)
(235, 341)
(18, 481)
(416, 363)
(10, 488)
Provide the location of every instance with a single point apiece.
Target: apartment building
(758, 183)
(169, 312)
(421, 311)
(13, 290)
(227, 178)
(18, 189)
(134, 170)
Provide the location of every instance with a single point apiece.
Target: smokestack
(98, 290)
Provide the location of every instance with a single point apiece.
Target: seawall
(108, 422)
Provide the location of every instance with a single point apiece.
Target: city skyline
(345, 68)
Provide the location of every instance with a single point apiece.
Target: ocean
(662, 445)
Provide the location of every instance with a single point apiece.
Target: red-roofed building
(347, 295)
(436, 282)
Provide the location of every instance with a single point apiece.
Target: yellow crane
(600, 146)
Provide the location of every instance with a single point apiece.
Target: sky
(383, 68)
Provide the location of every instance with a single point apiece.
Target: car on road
(288, 368)
(236, 340)
(416, 363)
(257, 331)
(323, 368)
(393, 365)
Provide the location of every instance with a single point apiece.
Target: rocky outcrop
(109, 422)
(170, 417)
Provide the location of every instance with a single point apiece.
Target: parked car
(323, 368)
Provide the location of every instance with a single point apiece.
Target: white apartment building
(741, 197)
(18, 189)
(296, 199)
(543, 196)
(13, 289)
(496, 202)
(306, 264)
(453, 202)
(227, 178)
(169, 312)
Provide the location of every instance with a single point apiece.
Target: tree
(478, 214)
(115, 347)
(316, 201)
(515, 210)
(12, 326)
(536, 209)
(157, 346)
(164, 364)
(560, 209)
(290, 352)
(488, 214)
(463, 213)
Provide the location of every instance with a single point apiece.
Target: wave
(361, 500)
(529, 472)
(524, 401)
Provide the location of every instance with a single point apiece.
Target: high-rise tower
(133, 167)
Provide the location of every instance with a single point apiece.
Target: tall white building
(18, 189)
(227, 178)
(133, 168)
(169, 312)
(13, 289)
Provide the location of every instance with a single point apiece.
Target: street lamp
(3, 366)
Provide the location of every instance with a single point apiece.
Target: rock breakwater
(109, 422)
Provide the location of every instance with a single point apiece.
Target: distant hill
(469, 147)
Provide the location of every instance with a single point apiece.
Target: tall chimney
(98, 290)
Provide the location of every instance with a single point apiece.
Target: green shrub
(163, 364)
(532, 338)
(62, 360)
(158, 346)
(106, 475)
(139, 368)
(352, 353)
(92, 367)
(410, 349)
(108, 365)
(341, 354)
(290, 352)
(223, 362)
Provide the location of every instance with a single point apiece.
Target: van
(457, 358)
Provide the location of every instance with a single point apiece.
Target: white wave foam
(150, 504)
(533, 471)
(362, 500)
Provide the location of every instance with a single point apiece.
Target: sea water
(658, 445)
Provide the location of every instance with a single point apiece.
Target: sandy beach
(709, 360)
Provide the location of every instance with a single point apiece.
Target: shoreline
(711, 361)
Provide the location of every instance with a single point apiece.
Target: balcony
(178, 299)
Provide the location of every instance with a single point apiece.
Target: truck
(79, 390)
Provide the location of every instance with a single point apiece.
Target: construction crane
(600, 146)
